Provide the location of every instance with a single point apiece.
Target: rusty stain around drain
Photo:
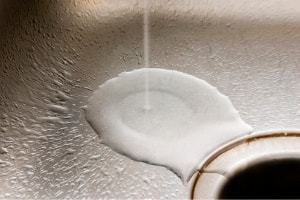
(232, 146)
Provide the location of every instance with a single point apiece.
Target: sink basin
(54, 54)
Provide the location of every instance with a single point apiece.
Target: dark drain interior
(276, 179)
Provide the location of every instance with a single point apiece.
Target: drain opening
(276, 179)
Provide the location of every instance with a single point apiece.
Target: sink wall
(54, 54)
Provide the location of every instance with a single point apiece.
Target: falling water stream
(146, 52)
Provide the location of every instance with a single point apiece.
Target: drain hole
(277, 179)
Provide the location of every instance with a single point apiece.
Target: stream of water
(146, 52)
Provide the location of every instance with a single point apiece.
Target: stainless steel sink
(54, 54)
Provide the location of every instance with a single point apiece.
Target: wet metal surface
(54, 54)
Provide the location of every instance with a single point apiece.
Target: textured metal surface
(55, 53)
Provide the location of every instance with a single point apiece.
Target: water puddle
(183, 119)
